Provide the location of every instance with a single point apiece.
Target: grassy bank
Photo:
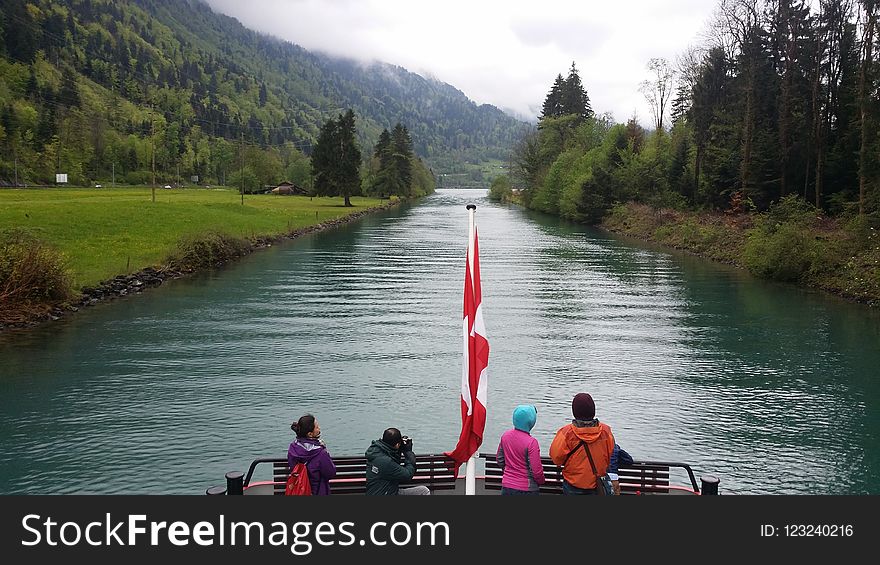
(54, 242)
(791, 242)
(106, 232)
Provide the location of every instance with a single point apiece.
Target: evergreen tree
(574, 96)
(384, 149)
(792, 48)
(22, 35)
(553, 102)
(349, 158)
(402, 159)
(324, 160)
(394, 154)
(336, 159)
(709, 95)
(681, 104)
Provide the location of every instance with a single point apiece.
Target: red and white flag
(474, 379)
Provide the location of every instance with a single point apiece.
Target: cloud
(575, 36)
(501, 53)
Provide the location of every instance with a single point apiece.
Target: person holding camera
(391, 461)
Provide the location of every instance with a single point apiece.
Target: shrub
(207, 250)
(785, 253)
(791, 209)
(138, 177)
(32, 275)
(500, 190)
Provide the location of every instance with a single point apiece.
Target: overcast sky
(505, 53)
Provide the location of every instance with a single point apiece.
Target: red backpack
(298, 481)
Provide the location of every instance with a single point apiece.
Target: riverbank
(789, 243)
(113, 244)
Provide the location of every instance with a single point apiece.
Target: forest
(772, 117)
(783, 100)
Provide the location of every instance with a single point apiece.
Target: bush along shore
(791, 242)
(35, 284)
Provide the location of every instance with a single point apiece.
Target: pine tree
(324, 160)
(553, 102)
(382, 152)
(681, 104)
(574, 96)
(349, 154)
(709, 93)
(403, 154)
(336, 159)
(382, 184)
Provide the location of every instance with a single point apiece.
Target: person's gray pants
(421, 489)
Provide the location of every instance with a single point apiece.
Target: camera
(406, 443)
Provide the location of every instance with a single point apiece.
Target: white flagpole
(470, 475)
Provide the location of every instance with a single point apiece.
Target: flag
(475, 359)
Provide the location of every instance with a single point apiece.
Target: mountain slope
(90, 86)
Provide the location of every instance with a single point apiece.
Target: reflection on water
(769, 387)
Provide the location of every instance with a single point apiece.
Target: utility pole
(153, 152)
(241, 165)
(113, 178)
(15, 158)
(178, 175)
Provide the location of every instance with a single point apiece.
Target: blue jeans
(571, 489)
(515, 492)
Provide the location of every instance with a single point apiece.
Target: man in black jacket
(384, 469)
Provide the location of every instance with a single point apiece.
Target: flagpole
(470, 476)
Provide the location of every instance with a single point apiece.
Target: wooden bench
(433, 471)
(642, 477)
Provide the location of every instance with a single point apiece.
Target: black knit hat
(583, 407)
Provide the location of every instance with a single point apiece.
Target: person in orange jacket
(568, 447)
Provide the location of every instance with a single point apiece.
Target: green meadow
(104, 232)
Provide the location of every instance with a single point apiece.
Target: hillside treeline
(100, 89)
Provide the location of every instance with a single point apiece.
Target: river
(771, 388)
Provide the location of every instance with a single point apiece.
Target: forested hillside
(764, 148)
(97, 88)
(781, 100)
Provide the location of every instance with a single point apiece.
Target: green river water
(771, 388)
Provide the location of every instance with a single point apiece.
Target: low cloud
(501, 53)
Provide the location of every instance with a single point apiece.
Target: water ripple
(765, 386)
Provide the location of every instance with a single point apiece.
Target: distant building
(288, 188)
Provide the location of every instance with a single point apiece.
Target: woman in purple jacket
(519, 455)
(308, 448)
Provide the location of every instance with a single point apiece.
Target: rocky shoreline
(122, 286)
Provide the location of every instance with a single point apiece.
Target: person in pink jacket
(519, 455)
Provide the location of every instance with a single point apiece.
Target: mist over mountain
(95, 81)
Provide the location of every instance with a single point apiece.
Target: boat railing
(437, 472)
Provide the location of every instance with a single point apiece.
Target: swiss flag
(475, 359)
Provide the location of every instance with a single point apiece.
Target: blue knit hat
(524, 417)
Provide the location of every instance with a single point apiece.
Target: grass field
(105, 232)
